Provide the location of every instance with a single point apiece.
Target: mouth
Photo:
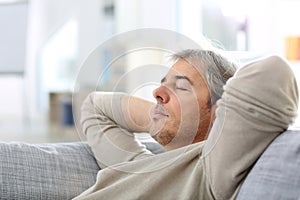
(159, 112)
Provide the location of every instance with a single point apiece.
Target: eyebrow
(163, 80)
(177, 78)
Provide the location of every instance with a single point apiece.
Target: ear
(213, 113)
(213, 109)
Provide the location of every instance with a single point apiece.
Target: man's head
(186, 99)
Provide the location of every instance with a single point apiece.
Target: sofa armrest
(45, 171)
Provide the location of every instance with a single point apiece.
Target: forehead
(184, 68)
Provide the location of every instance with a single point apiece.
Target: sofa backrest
(276, 175)
(48, 171)
(62, 171)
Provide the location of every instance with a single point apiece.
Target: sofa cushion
(45, 171)
(276, 175)
(48, 171)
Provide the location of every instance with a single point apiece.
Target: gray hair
(217, 69)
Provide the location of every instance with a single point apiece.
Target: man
(258, 104)
(183, 114)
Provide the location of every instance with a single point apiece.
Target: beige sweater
(258, 104)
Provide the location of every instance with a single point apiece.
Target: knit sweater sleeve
(258, 104)
(106, 131)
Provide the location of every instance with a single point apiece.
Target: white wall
(270, 21)
(135, 14)
(13, 37)
(177, 15)
(264, 29)
(12, 57)
(45, 18)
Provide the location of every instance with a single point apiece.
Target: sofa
(64, 170)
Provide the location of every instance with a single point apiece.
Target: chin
(155, 129)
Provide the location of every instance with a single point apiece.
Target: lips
(159, 112)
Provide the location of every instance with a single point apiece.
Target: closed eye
(183, 84)
(180, 88)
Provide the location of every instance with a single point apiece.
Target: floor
(36, 131)
(41, 130)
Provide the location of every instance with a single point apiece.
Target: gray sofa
(64, 170)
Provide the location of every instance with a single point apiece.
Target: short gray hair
(217, 69)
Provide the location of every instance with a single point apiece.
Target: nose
(161, 94)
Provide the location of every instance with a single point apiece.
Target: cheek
(191, 112)
(190, 103)
(188, 110)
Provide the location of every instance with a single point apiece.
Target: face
(182, 115)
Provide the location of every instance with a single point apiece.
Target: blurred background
(44, 42)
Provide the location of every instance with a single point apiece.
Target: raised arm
(108, 120)
(136, 112)
(258, 104)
